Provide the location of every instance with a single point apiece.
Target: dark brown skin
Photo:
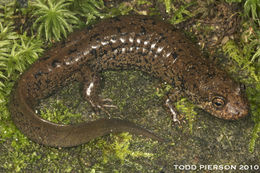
(126, 42)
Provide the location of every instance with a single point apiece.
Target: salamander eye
(218, 102)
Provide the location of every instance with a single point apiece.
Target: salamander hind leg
(91, 90)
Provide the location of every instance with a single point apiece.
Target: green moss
(54, 20)
(163, 90)
(247, 61)
(252, 9)
(119, 151)
(230, 1)
(15, 159)
(16, 52)
(144, 2)
(180, 14)
(187, 108)
(116, 153)
(7, 13)
(59, 113)
(119, 148)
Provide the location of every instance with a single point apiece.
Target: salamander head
(225, 99)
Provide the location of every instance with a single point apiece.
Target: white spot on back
(168, 54)
(131, 39)
(174, 60)
(89, 89)
(113, 40)
(153, 45)
(122, 40)
(95, 46)
(146, 42)
(104, 43)
(86, 52)
(159, 49)
(138, 40)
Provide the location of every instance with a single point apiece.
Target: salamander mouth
(235, 113)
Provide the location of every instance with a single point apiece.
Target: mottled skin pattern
(126, 42)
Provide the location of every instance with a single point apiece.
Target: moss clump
(59, 113)
(249, 62)
(119, 149)
(187, 108)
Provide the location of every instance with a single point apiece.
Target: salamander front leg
(170, 99)
(172, 109)
(91, 90)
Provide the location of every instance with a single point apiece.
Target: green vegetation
(25, 51)
(59, 114)
(89, 9)
(16, 52)
(6, 40)
(246, 54)
(252, 9)
(53, 20)
(187, 109)
(179, 14)
(250, 64)
(230, 1)
(7, 13)
(119, 148)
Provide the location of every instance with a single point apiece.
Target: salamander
(125, 42)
